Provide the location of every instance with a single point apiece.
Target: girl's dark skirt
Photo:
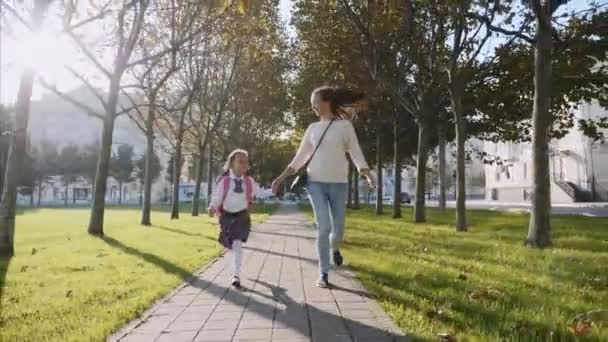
(234, 226)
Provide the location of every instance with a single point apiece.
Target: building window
(525, 171)
(81, 194)
(389, 172)
(498, 176)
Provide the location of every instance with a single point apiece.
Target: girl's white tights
(236, 257)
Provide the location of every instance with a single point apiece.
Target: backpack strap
(249, 191)
(226, 187)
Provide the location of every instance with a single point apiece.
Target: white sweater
(329, 164)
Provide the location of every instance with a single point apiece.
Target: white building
(475, 176)
(579, 167)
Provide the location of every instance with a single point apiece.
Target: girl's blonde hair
(231, 157)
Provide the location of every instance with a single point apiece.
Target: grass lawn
(64, 285)
(483, 285)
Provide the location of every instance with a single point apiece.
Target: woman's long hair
(344, 103)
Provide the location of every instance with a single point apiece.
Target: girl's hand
(211, 212)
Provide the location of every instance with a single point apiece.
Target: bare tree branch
(16, 14)
(89, 86)
(88, 110)
(491, 27)
(88, 53)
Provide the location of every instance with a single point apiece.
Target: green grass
(483, 285)
(64, 285)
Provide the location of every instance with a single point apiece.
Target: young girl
(231, 200)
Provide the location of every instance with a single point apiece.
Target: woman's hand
(276, 185)
(211, 212)
(371, 180)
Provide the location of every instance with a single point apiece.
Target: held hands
(276, 185)
(371, 180)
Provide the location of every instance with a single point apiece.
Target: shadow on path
(260, 250)
(328, 322)
(175, 230)
(287, 235)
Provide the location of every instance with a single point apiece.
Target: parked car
(405, 198)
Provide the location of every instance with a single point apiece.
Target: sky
(51, 53)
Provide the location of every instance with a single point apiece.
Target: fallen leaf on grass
(463, 276)
(487, 293)
(447, 337)
(68, 294)
(24, 268)
(34, 251)
(581, 328)
(594, 317)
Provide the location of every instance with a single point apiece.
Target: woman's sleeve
(216, 197)
(303, 153)
(353, 148)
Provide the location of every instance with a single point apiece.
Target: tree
(89, 154)
(154, 74)
(46, 159)
(27, 177)
(6, 128)
(563, 75)
(410, 66)
(18, 141)
(216, 63)
(122, 167)
(148, 167)
(469, 39)
(69, 165)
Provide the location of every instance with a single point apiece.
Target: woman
(328, 168)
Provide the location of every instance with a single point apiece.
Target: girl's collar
(233, 175)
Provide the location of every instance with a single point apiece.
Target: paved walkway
(279, 301)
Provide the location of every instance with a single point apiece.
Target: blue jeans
(329, 205)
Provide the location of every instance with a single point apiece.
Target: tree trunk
(39, 192)
(196, 200)
(210, 181)
(14, 166)
(349, 200)
(177, 161)
(146, 207)
(16, 154)
(119, 192)
(380, 187)
(101, 178)
(539, 231)
(66, 183)
(456, 98)
(421, 159)
(356, 202)
(442, 167)
(397, 173)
